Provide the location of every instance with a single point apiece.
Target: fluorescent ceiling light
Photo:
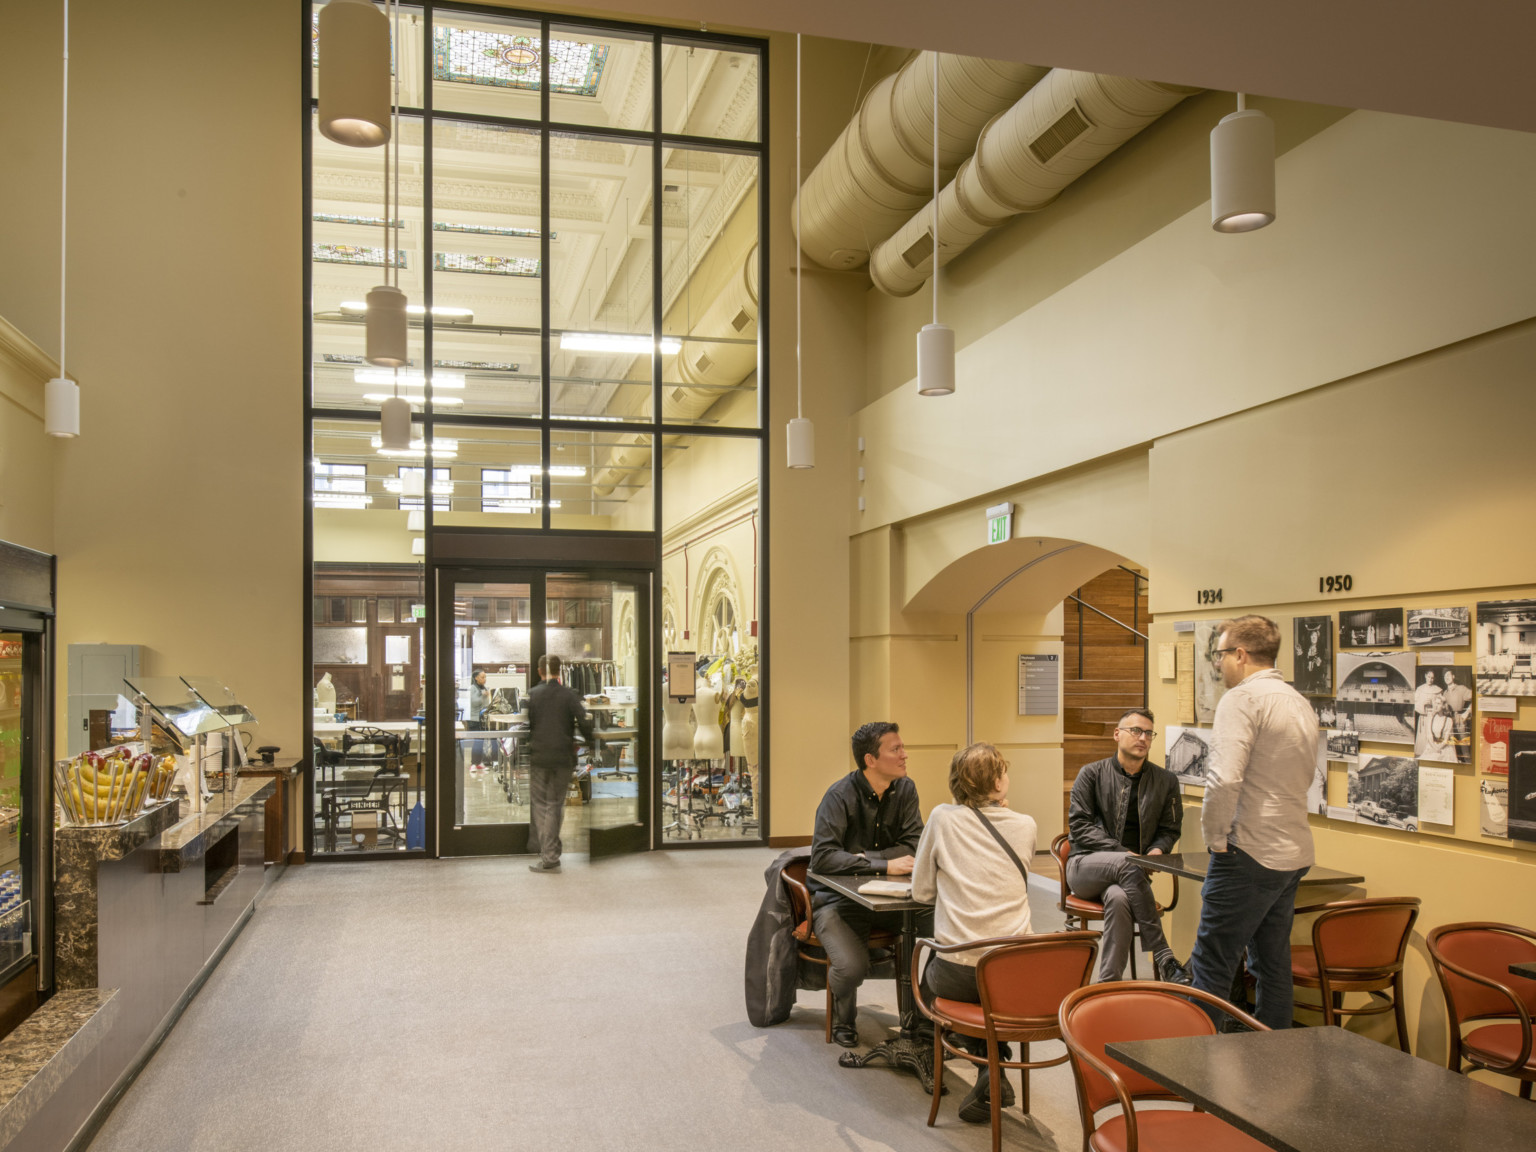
(418, 401)
(521, 505)
(359, 308)
(341, 500)
(615, 342)
(386, 377)
(595, 419)
(440, 448)
(439, 487)
(526, 472)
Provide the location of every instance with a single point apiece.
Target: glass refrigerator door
(19, 793)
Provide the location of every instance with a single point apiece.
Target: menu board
(1039, 684)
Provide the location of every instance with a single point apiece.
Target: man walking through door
(555, 712)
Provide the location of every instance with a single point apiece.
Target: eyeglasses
(1218, 653)
(1139, 733)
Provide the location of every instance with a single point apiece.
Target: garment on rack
(589, 677)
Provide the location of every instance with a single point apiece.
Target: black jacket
(856, 833)
(554, 714)
(1096, 818)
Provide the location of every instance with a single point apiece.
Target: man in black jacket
(867, 822)
(1124, 804)
(555, 712)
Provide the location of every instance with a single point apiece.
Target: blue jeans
(1246, 905)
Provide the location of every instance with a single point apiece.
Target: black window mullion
(546, 389)
(656, 236)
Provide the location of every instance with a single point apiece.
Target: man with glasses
(1121, 805)
(1263, 753)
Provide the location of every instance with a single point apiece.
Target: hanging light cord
(391, 206)
(64, 192)
(935, 187)
(1242, 102)
(799, 411)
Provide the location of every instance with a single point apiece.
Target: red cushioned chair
(1075, 908)
(1022, 981)
(1472, 960)
(1357, 946)
(1103, 1014)
(793, 875)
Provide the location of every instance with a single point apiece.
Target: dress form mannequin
(738, 743)
(325, 694)
(748, 703)
(708, 740)
(676, 739)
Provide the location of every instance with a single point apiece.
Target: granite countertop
(113, 841)
(187, 841)
(284, 766)
(38, 1057)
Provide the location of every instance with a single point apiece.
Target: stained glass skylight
(484, 229)
(355, 254)
(474, 56)
(339, 218)
(479, 365)
(487, 265)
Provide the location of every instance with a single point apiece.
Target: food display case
(181, 712)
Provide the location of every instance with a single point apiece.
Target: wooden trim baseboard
(296, 856)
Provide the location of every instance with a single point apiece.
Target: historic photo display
(1375, 696)
(1384, 790)
(1371, 628)
(1209, 686)
(1189, 752)
(1522, 785)
(1439, 627)
(1505, 646)
(1312, 668)
(1442, 709)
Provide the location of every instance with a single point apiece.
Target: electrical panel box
(96, 675)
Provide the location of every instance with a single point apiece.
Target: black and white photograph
(1343, 746)
(1317, 794)
(1442, 709)
(1493, 797)
(1505, 647)
(1188, 753)
(1371, 628)
(1439, 627)
(1312, 668)
(1209, 686)
(1522, 785)
(1376, 695)
(1384, 790)
(1326, 709)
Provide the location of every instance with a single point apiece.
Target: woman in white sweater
(977, 890)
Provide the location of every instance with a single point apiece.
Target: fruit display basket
(97, 789)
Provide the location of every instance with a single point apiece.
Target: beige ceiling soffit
(24, 368)
(880, 169)
(1062, 127)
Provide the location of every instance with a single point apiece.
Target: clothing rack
(588, 676)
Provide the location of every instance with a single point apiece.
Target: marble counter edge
(187, 841)
(39, 1056)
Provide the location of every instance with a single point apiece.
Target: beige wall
(26, 453)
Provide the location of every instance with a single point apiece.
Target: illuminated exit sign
(999, 523)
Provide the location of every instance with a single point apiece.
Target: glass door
(495, 627)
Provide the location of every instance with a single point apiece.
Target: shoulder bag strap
(1007, 847)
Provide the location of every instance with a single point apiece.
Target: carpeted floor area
(471, 1005)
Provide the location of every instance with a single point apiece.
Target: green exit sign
(418, 611)
(999, 523)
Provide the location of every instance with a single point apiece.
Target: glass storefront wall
(577, 232)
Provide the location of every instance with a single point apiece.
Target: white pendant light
(386, 327)
(395, 424)
(416, 521)
(935, 341)
(354, 74)
(801, 435)
(61, 398)
(1243, 170)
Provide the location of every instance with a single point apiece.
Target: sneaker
(1170, 971)
(542, 867)
(976, 1108)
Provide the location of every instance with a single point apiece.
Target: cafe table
(1192, 866)
(1331, 1090)
(904, 1050)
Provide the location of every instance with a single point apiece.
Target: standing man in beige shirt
(1263, 752)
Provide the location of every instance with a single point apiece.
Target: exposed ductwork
(880, 169)
(1061, 128)
(701, 370)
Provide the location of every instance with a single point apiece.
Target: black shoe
(976, 1108)
(1230, 1025)
(846, 1035)
(542, 867)
(1170, 971)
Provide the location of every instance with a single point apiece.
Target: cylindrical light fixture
(1243, 171)
(395, 424)
(802, 443)
(935, 360)
(386, 327)
(416, 521)
(61, 407)
(354, 73)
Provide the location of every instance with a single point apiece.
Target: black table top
(1328, 1090)
(849, 886)
(1192, 866)
(1527, 969)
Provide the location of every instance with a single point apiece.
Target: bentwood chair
(1022, 981)
(1472, 960)
(1080, 911)
(810, 947)
(1129, 1010)
(1357, 946)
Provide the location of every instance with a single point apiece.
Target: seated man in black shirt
(867, 822)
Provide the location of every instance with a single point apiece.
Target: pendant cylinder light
(386, 327)
(1243, 171)
(802, 443)
(395, 424)
(354, 73)
(935, 360)
(61, 407)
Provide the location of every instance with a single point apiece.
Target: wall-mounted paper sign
(680, 677)
(1436, 795)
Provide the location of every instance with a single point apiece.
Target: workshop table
(1331, 1090)
(904, 1050)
